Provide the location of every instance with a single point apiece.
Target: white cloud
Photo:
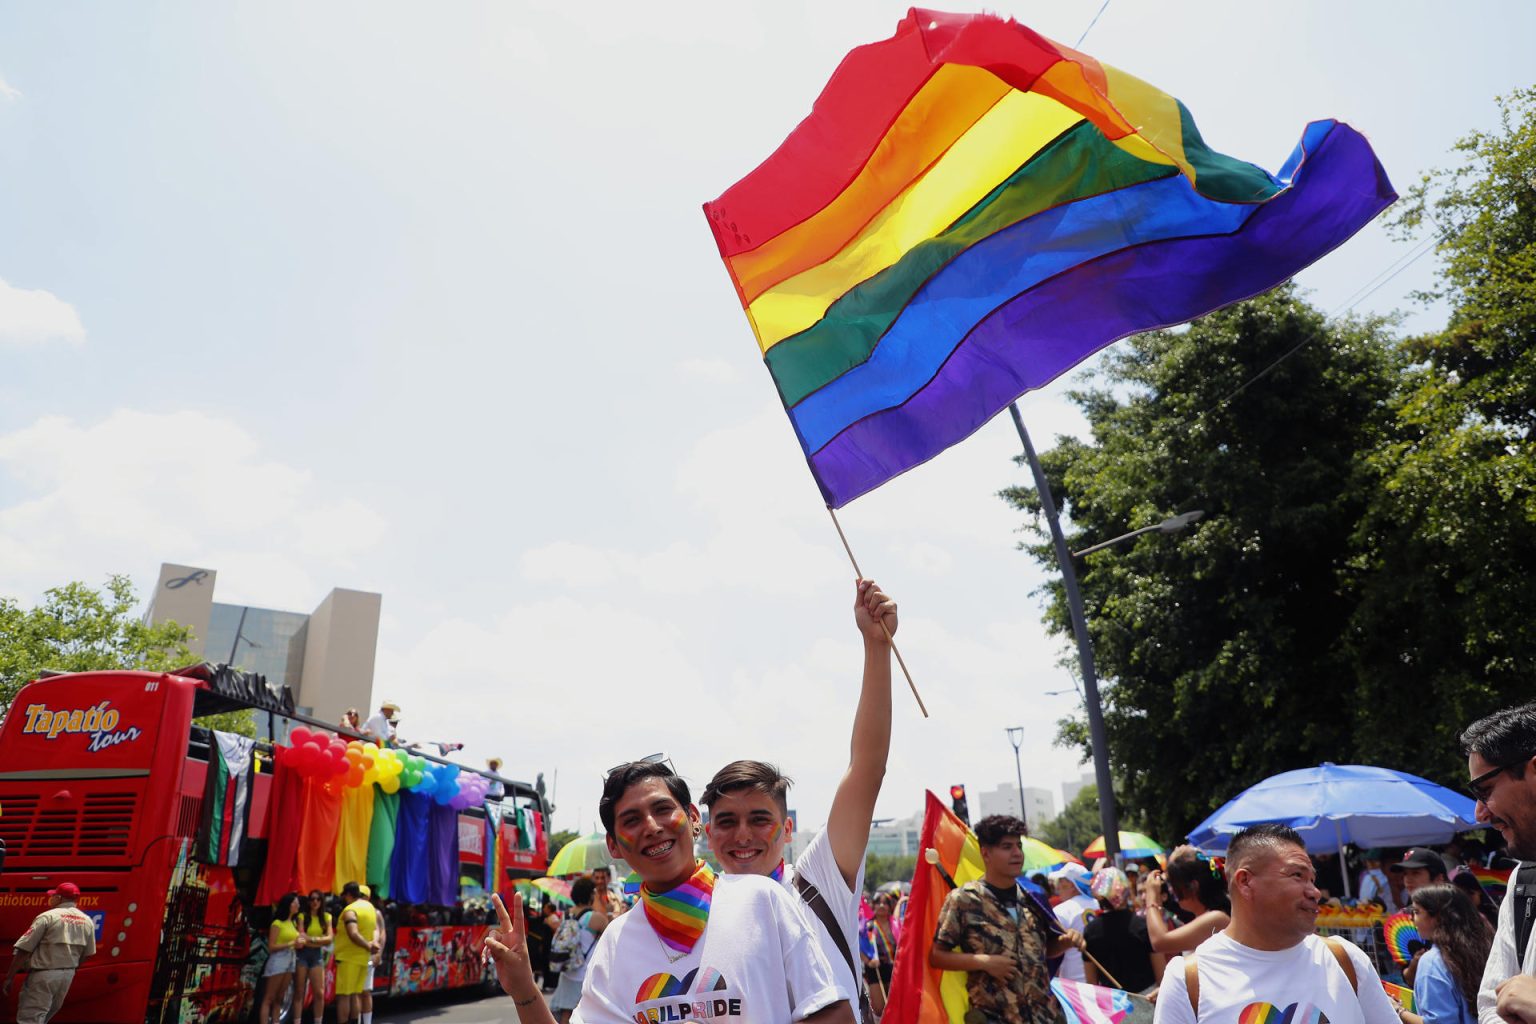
(135, 488)
(31, 316)
(710, 371)
(8, 91)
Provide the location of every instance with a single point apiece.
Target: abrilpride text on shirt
(679, 999)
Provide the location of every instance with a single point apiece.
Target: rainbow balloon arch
(322, 757)
(350, 810)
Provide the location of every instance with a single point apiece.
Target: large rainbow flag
(919, 994)
(972, 209)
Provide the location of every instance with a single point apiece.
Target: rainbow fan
(1402, 937)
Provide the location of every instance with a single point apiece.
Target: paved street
(444, 1009)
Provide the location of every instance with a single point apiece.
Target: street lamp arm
(1170, 525)
(1111, 543)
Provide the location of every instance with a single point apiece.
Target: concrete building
(888, 837)
(1069, 790)
(1039, 806)
(326, 656)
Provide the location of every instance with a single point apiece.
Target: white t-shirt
(1300, 985)
(819, 867)
(1072, 913)
(377, 727)
(756, 963)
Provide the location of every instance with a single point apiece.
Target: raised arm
(854, 804)
(507, 946)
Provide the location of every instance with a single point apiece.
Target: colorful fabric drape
(920, 994)
(972, 209)
(381, 840)
(285, 812)
(352, 835)
(410, 871)
(226, 799)
(317, 837)
(443, 855)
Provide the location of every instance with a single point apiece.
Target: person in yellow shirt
(283, 939)
(358, 944)
(318, 929)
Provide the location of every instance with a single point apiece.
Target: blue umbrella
(1334, 804)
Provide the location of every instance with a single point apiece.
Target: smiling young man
(731, 950)
(1501, 761)
(749, 825)
(1270, 959)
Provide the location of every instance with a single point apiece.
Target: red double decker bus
(102, 778)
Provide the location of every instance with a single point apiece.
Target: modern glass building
(258, 640)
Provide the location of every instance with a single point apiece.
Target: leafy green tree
(1221, 647)
(1446, 561)
(80, 629)
(880, 868)
(1076, 826)
(557, 841)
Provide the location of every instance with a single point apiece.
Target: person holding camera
(1198, 888)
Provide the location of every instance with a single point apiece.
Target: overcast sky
(419, 299)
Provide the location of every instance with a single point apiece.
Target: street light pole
(1016, 737)
(1108, 820)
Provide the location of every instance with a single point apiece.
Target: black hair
(1254, 837)
(1505, 739)
(352, 891)
(757, 776)
(280, 911)
(1189, 868)
(1462, 935)
(625, 775)
(305, 915)
(582, 890)
(994, 828)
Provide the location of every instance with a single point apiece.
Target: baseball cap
(1419, 858)
(68, 890)
(364, 890)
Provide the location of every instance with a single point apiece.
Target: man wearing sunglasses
(1501, 760)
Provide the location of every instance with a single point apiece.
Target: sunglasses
(1479, 788)
(647, 759)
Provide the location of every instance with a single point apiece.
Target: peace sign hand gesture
(507, 945)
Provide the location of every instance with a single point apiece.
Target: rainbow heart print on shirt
(661, 986)
(1269, 1013)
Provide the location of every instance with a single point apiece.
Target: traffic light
(958, 805)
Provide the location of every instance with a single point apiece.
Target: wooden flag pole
(894, 649)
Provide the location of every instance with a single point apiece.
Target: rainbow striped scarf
(679, 915)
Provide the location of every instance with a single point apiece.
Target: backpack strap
(1192, 982)
(1336, 947)
(1523, 892)
(823, 911)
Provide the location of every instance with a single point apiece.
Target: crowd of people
(305, 933)
(1230, 940)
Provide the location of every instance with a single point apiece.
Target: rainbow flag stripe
(1493, 881)
(972, 209)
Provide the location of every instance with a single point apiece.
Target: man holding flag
(995, 932)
